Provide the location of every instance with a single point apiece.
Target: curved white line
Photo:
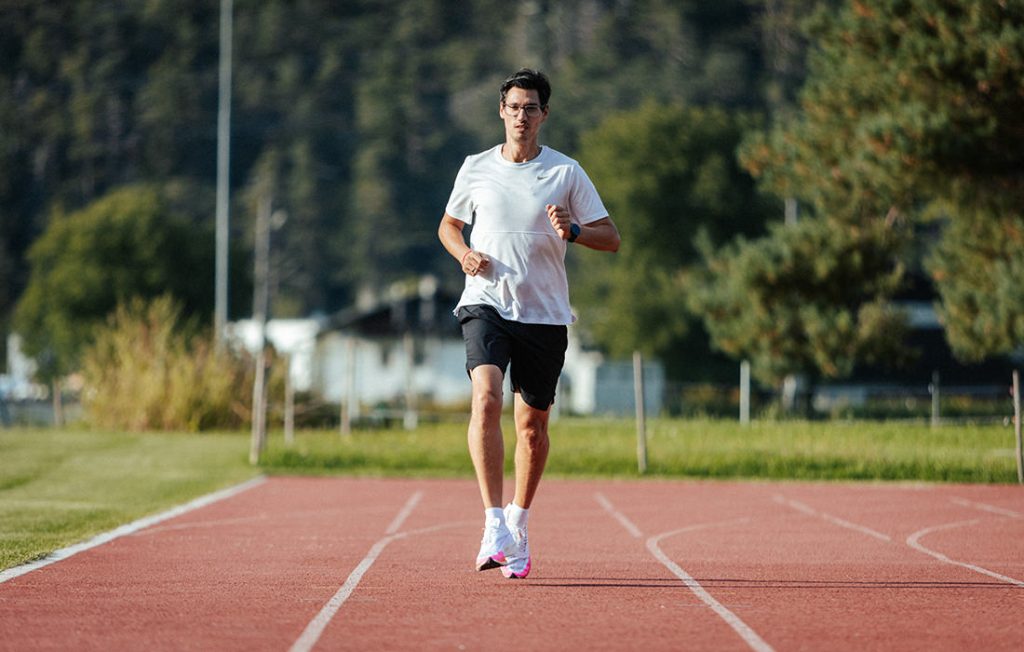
(748, 635)
(912, 541)
(130, 528)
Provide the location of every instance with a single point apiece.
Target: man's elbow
(614, 241)
(443, 229)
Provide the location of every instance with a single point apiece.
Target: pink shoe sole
(513, 575)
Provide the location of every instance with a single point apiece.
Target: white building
(405, 348)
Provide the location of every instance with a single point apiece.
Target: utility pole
(220, 313)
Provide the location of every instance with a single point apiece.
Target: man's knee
(532, 429)
(487, 391)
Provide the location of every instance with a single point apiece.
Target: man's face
(519, 125)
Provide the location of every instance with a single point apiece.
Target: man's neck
(520, 152)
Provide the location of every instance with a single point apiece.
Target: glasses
(512, 110)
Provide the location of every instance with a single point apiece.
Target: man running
(526, 203)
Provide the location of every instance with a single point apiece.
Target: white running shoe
(518, 566)
(496, 545)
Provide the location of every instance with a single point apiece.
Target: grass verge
(681, 448)
(58, 487)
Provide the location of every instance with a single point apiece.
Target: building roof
(420, 308)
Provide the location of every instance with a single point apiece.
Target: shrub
(148, 369)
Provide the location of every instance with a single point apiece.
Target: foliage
(904, 100)
(130, 243)
(914, 106)
(147, 370)
(669, 178)
(978, 266)
(363, 110)
(809, 298)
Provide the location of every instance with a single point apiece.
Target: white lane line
(316, 627)
(404, 514)
(835, 520)
(913, 542)
(618, 516)
(987, 508)
(749, 636)
(199, 525)
(129, 528)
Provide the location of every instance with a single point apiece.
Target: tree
(912, 108)
(669, 176)
(810, 298)
(130, 243)
(978, 267)
(366, 108)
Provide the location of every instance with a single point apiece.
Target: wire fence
(929, 402)
(939, 404)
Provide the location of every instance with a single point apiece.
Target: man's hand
(560, 220)
(474, 262)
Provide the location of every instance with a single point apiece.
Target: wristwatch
(574, 232)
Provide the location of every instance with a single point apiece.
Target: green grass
(60, 487)
(682, 448)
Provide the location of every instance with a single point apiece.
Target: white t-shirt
(506, 204)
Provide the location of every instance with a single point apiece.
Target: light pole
(220, 313)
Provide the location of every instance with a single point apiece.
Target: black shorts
(536, 351)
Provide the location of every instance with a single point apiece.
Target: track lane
(591, 587)
(242, 574)
(253, 572)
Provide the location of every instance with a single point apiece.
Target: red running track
(357, 564)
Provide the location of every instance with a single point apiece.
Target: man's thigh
(487, 337)
(538, 354)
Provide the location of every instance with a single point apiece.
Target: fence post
(348, 399)
(1017, 426)
(641, 423)
(745, 392)
(410, 417)
(934, 390)
(289, 403)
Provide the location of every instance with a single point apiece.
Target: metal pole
(641, 421)
(745, 392)
(934, 389)
(220, 313)
(1017, 426)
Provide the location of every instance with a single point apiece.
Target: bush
(149, 370)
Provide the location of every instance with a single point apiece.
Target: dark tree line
(354, 116)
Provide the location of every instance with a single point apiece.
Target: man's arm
(450, 234)
(601, 234)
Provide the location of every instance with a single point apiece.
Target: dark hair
(531, 80)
